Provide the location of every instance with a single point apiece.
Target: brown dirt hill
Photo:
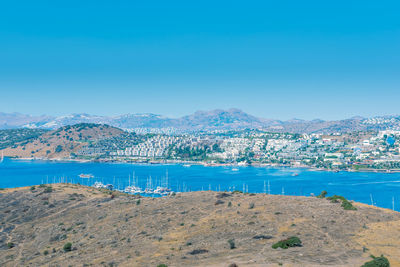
(188, 229)
(62, 142)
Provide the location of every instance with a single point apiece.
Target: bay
(381, 189)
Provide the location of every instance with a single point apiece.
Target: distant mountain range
(232, 119)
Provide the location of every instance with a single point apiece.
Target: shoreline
(204, 164)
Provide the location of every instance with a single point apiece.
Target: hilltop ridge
(65, 224)
(218, 119)
(62, 142)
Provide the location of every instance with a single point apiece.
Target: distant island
(350, 151)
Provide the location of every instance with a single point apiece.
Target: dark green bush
(287, 243)
(58, 149)
(219, 202)
(323, 194)
(336, 198)
(345, 203)
(10, 245)
(231, 243)
(162, 265)
(48, 190)
(348, 206)
(377, 262)
(67, 247)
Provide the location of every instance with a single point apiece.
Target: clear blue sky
(274, 59)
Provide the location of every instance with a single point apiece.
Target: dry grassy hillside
(188, 229)
(62, 142)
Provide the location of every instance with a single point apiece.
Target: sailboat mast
(166, 179)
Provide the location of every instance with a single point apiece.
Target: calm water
(355, 186)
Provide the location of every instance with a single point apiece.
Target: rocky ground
(188, 229)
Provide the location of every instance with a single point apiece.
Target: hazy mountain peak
(217, 119)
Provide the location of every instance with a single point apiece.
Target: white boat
(149, 191)
(133, 190)
(235, 169)
(83, 175)
(101, 185)
(186, 165)
(162, 190)
(98, 185)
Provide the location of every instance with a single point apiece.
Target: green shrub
(348, 206)
(10, 245)
(46, 252)
(377, 262)
(231, 243)
(162, 265)
(336, 198)
(251, 206)
(345, 203)
(323, 194)
(138, 202)
(33, 188)
(67, 247)
(288, 243)
(48, 190)
(58, 149)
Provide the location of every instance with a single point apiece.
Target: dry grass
(105, 230)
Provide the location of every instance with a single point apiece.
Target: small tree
(323, 194)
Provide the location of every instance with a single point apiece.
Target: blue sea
(381, 189)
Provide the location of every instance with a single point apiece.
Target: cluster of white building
(232, 147)
(153, 147)
(165, 130)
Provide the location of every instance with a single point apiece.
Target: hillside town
(340, 151)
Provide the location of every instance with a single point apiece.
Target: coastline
(205, 164)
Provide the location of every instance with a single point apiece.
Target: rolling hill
(73, 225)
(62, 142)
